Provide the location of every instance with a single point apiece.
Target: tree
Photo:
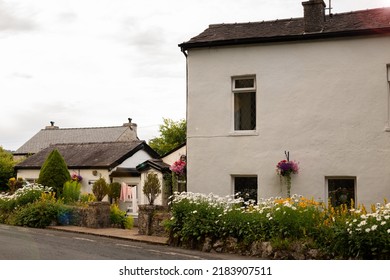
(6, 168)
(152, 187)
(54, 172)
(100, 189)
(172, 134)
(114, 192)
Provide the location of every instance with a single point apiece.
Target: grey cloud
(21, 75)
(149, 38)
(151, 49)
(68, 16)
(9, 21)
(140, 36)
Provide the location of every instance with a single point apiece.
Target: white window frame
(235, 90)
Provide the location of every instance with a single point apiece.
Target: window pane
(245, 111)
(341, 191)
(246, 187)
(244, 83)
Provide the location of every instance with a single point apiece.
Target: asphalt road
(19, 243)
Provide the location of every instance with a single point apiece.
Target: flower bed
(338, 233)
(35, 205)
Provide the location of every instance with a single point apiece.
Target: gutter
(183, 50)
(288, 38)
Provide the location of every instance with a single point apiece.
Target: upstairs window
(244, 90)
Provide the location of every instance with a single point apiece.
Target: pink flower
(76, 177)
(179, 167)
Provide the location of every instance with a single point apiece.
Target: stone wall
(296, 250)
(151, 219)
(96, 215)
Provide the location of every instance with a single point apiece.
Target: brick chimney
(314, 15)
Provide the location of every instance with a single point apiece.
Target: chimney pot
(314, 15)
(51, 126)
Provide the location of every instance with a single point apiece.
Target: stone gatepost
(151, 219)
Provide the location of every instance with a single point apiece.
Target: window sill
(244, 133)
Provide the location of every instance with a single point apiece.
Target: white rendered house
(316, 86)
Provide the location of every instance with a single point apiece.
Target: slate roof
(89, 155)
(157, 164)
(47, 137)
(174, 150)
(364, 22)
(125, 172)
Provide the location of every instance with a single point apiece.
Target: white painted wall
(325, 101)
(138, 158)
(143, 199)
(171, 158)
(89, 178)
(30, 175)
(86, 184)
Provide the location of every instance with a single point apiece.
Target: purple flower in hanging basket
(286, 168)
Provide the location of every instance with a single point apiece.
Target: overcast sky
(92, 63)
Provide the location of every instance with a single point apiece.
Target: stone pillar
(151, 218)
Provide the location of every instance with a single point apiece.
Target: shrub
(87, 197)
(6, 206)
(40, 213)
(360, 235)
(7, 171)
(114, 191)
(24, 196)
(128, 222)
(15, 184)
(100, 189)
(116, 215)
(118, 218)
(28, 194)
(295, 217)
(54, 172)
(71, 191)
(196, 216)
(67, 215)
(152, 187)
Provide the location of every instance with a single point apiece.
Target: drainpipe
(186, 56)
(387, 128)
